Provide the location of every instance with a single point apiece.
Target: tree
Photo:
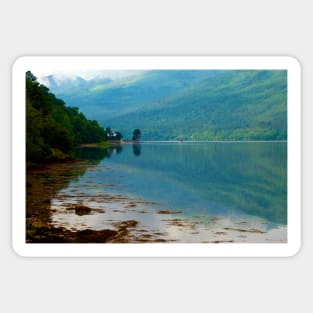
(52, 129)
(136, 134)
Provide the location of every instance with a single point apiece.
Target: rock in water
(82, 210)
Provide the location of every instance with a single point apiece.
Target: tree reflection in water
(136, 149)
(114, 150)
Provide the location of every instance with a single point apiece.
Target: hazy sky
(86, 74)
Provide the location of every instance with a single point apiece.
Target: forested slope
(104, 98)
(236, 105)
(52, 128)
(185, 104)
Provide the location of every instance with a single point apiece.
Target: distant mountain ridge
(103, 98)
(189, 105)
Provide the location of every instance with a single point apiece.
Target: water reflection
(114, 150)
(92, 154)
(225, 192)
(221, 177)
(136, 149)
(43, 184)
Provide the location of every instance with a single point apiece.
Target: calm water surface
(235, 190)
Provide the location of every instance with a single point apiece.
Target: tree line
(52, 128)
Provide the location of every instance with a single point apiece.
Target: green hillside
(234, 105)
(52, 128)
(104, 98)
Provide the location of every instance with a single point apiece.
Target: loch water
(241, 182)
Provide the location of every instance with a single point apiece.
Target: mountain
(234, 105)
(187, 104)
(105, 98)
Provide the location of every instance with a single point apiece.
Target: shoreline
(62, 214)
(108, 144)
(132, 142)
(142, 223)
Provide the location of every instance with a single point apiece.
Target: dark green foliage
(136, 134)
(52, 129)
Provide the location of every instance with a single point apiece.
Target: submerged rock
(168, 212)
(126, 224)
(249, 230)
(62, 235)
(82, 210)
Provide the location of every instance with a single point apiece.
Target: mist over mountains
(184, 104)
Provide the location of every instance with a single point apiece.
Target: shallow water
(189, 192)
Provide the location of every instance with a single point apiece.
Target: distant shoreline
(132, 142)
(205, 141)
(108, 144)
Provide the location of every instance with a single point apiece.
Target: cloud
(60, 75)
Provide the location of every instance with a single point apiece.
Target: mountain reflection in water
(190, 192)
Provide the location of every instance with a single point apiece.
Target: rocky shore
(57, 213)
